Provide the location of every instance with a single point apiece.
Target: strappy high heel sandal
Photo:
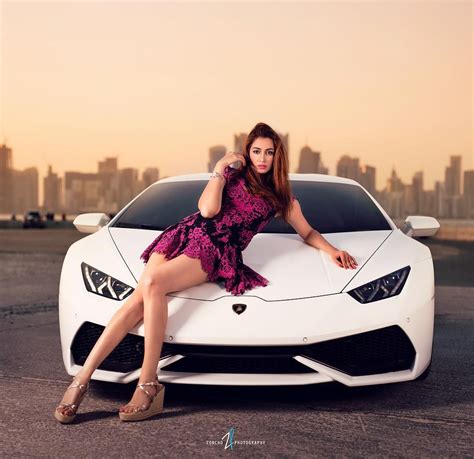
(66, 419)
(155, 406)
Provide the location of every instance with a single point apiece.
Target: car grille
(376, 351)
(127, 356)
(373, 352)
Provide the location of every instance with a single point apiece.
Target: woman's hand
(343, 259)
(230, 157)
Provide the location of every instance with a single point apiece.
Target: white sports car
(315, 322)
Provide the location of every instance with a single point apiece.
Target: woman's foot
(136, 410)
(67, 408)
(140, 398)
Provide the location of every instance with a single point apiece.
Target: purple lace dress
(219, 241)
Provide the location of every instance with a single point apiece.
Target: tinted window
(328, 207)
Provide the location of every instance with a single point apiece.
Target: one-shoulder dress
(218, 241)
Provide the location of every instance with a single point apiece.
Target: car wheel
(425, 374)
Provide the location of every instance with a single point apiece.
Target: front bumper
(303, 341)
(381, 351)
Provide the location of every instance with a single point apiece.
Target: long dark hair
(274, 185)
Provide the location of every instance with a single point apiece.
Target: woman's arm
(314, 238)
(211, 198)
(310, 236)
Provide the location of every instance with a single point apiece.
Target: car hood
(294, 269)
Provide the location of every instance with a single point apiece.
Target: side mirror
(90, 222)
(419, 226)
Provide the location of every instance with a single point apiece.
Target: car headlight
(102, 284)
(381, 288)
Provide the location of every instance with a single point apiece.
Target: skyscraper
(128, 185)
(6, 179)
(81, 192)
(52, 192)
(367, 179)
(149, 176)
(108, 176)
(25, 189)
(468, 192)
(348, 167)
(417, 184)
(453, 177)
(108, 165)
(394, 183)
(310, 162)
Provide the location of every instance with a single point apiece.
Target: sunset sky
(158, 83)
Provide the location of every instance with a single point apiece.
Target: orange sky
(159, 83)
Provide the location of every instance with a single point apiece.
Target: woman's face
(261, 154)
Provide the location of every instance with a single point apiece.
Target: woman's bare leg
(123, 320)
(175, 275)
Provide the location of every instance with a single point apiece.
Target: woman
(204, 246)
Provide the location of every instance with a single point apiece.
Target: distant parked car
(33, 219)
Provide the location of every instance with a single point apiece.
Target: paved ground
(426, 418)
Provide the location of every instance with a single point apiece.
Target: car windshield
(328, 207)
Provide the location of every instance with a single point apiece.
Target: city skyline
(221, 148)
(109, 188)
(293, 164)
(155, 87)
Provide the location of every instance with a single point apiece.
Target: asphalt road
(430, 418)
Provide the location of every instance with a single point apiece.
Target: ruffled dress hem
(251, 279)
